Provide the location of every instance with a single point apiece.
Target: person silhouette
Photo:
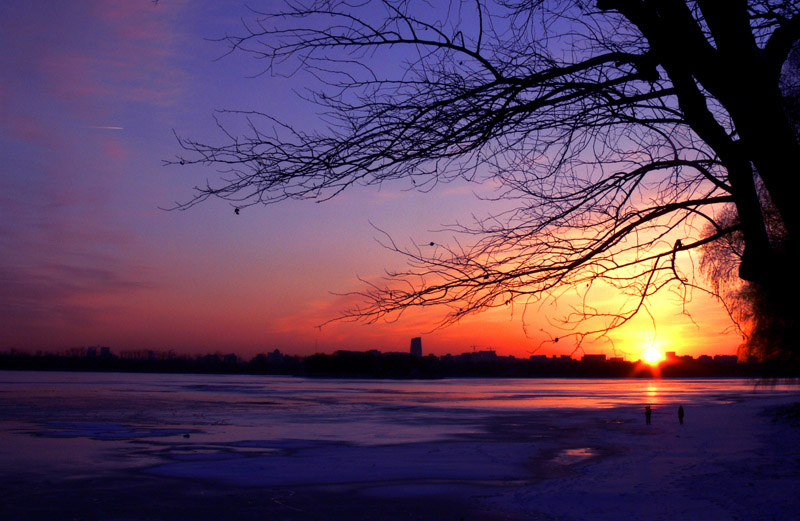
(680, 414)
(648, 412)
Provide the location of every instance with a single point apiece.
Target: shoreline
(404, 366)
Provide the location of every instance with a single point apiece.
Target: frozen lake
(295, 442)
(236, 408)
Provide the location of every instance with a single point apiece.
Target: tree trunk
(773, 149)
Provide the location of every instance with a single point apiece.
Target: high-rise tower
(416, 347)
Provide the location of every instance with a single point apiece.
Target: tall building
(416, 347)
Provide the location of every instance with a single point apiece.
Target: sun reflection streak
(653, 393)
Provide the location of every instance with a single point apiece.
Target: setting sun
(652, 355)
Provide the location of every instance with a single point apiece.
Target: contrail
(105, 128)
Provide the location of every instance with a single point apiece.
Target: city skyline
(410, 364)
(415, 351)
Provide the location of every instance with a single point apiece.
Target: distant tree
(622, 134)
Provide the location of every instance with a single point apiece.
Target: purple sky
(90, 94)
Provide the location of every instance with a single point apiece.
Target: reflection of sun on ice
(652, 355)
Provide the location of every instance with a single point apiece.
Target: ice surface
(291, 448)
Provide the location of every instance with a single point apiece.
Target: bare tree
(617, 130)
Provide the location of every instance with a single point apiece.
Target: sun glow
(652, 355)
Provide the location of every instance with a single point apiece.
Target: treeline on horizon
(373, 364)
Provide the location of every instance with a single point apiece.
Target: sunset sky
(90, 95)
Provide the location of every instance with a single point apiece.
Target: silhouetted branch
(612, 128)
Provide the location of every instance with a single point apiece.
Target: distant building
(593, 358)
(670, 356)
(416, 347)
(275, 357)
(485, 356)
